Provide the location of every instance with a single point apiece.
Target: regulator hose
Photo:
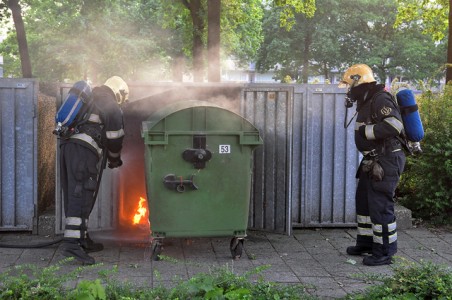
(38, 245)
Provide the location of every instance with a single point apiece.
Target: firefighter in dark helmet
(377, 128)
(79, 160)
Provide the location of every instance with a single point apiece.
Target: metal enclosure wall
(305, 173)
(324, 159)
(18, 154)
(270, 109)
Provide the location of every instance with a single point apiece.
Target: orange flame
(141, 211)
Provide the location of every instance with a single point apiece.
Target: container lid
(197, 117)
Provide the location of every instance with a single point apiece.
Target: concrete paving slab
(313, 257)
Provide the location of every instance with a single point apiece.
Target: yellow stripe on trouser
(71, 224)
(378, 229)
(362, 230)
(365, 231)
(70, 233)
(74, 221)
(391, 239)
(363, 219)
(392, 226)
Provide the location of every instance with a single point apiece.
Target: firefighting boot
(72, 248)
(358, 250)
(377, 260)
(90, 246)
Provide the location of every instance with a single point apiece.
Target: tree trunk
(195, 8)
(449, 46)
(21, 38)
(326, 72)
(305, 71)
(213, 40)
(177, 69)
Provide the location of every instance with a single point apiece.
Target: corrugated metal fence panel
(104, 214)
(325, 161)
(270, 110)
(18, 164)
(304, 174)
(299, 127)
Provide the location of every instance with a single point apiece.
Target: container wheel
(156, 250)
(236, 247)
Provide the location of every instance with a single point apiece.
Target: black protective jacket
(378, 122)
(105, 128)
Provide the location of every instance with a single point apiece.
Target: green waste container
(198, 165)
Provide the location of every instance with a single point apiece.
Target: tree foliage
(344, 33)
(91, 39)
(241, 32)
(434, 17)
(135, 39)
(153, 39)
(292, 7)
(430, 15)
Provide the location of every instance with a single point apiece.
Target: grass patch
(424, 280)
(33, 282)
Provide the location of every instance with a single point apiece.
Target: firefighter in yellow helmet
(377, 130)
(119, 87)
(101, 136)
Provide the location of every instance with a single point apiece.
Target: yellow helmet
(356, 75)
(119, 88)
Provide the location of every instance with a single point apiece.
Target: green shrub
(220, 283)
(34, 282)
(411, 281)
(88, 290)
(426, 184)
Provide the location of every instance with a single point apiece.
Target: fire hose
(45, 244)
(38, 245)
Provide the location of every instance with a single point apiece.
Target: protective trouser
(377, 227)
(78, 168)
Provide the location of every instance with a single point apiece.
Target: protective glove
(114, 162)
(374, 169)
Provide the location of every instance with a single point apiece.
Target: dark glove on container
(114, 162)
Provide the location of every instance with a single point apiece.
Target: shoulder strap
(85, 117)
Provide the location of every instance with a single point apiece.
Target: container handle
(178, 183)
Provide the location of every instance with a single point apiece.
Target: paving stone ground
(313, 257)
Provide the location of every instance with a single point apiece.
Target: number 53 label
(223, 149)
